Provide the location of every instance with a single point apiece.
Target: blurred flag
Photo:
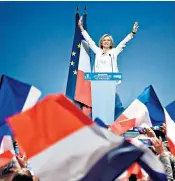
(78, 89)
(6, 150)
(146, 111)
(171, 110)
(100, 123)
(170, 129)
(134, 169)
(149, 162)
(68, 144)
(118, 106)
(15, 96)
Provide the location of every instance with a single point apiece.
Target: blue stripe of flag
(155, 109)
(171, 110)
(13, 94)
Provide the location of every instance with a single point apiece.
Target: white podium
(103, 88)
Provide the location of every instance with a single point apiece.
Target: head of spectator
(22, 175)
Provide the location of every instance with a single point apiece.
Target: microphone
(111, 62)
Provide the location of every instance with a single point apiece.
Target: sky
(36, 42)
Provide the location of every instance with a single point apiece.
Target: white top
(106, 62)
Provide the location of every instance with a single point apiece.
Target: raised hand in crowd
(158, 146)
(150, 133)
(22, 161)
(163, 128)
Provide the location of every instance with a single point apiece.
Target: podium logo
(117, 76)
(87, 76)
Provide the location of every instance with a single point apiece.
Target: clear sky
(36, 41)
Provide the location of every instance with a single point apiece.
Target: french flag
(60, 141)
(15, 96)
(148, 165)
(134, 169)
(170, 129)
(83, 87)
(78, 89)
(170, 125)
(146, 111)
(6, 150)
(171, 110)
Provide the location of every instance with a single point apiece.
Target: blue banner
(102, 76)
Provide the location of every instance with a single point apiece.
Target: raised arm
(86, 36)
(123, 43)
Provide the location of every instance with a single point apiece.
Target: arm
(86, 36)
(163, 156)
(122, 44)
(167, 165)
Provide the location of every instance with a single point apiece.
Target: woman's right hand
(80, 21)
(80, 24)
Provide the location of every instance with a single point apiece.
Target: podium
(103, 88)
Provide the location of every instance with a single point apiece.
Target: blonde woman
(106, 54)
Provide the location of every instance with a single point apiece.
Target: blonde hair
(104, 36)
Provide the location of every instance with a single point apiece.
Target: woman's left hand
(135, 27)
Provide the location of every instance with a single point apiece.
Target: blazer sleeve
(89, 40)
(122, 44)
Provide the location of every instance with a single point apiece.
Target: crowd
(18, 170)
(156, 141)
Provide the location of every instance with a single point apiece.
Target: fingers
(156, 141)
(81, 17)
(80, 21)
(153, 141)
(160, 139)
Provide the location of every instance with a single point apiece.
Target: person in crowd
(161, 149)
(22, 174)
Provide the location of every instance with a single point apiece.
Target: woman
(106, 55)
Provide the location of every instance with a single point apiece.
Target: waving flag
(100, 123)
(78, 89)
(170, 129)
(15, 96)
(149, 162)
(6, 150)
(134, 169)
(171, 110)
(55, 125)
(146, 110)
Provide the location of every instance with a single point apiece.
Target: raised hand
(150, 132)
(163, 128)
(80, 21)
(158, 145)
(135, 27)
(80, 24)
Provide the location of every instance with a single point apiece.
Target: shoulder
(99, 52)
